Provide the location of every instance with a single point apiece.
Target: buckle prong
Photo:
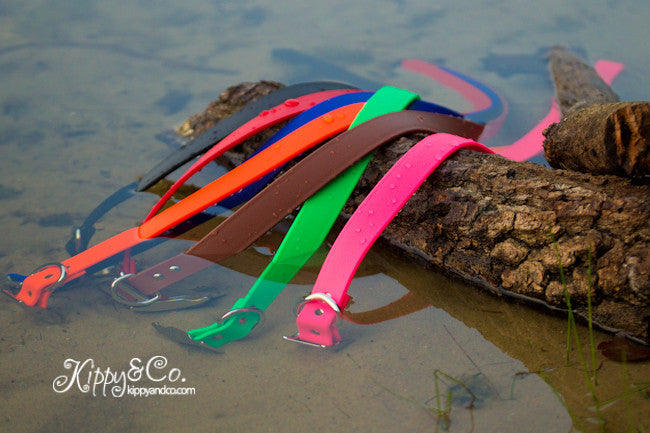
(236, 311)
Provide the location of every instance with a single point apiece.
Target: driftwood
(502, 225)
(598, 134)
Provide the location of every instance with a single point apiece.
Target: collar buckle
(141, 303)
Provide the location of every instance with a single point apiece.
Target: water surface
(84, 90)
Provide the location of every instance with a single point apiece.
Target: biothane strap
(264, 120)
(37, 287)
(308, 231)
(287, 192)
(317, 317)
(225, 127)
(247, 193)
(319, 106)
(296, 250)
(82, 235)
(145, 281)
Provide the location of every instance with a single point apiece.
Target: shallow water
(84, 89)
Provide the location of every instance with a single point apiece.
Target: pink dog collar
(317, 316)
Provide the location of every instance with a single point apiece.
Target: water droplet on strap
(291, 103)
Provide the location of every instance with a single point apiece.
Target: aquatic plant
(590, 372)
(443, 403)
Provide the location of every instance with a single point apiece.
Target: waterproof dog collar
(38, 286)
(225, 241)
(265, 119)
(228, 125)
(319, 104)
(288, 191)
(306, 234)
(283, 195)
(379, 102)
(247, 193)
(317, 316)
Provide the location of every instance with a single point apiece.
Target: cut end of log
(610, 138)
(630, 133)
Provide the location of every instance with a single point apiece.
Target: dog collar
(247, 193)
(318, 104)
(37, 287)
(277, 200)
(317, 316)
(224, 242)
(264, 120)
(287, 192)
(265, 105)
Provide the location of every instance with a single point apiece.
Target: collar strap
(386, 99)
(221, 130)
(306, 108)
(316, 319)
(309, 229)
(264, 120)
(287, 192)
(247, 193)
(37, 287)
(272, 204)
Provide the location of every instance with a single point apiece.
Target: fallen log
(513, 228)
(598, 134)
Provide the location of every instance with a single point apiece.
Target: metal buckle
(325, 297)
(236, 311)
(62, 274)
(140, 300)
(153, 304)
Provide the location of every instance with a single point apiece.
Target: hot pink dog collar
(317, 315)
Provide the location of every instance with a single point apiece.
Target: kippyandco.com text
(97, 381)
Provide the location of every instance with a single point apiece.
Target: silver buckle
(237, 311)
(153, 304)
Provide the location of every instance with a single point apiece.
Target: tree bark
(507, 226)
(598, 134)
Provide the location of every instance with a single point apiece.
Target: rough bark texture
(502, 225)
(598, 134)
